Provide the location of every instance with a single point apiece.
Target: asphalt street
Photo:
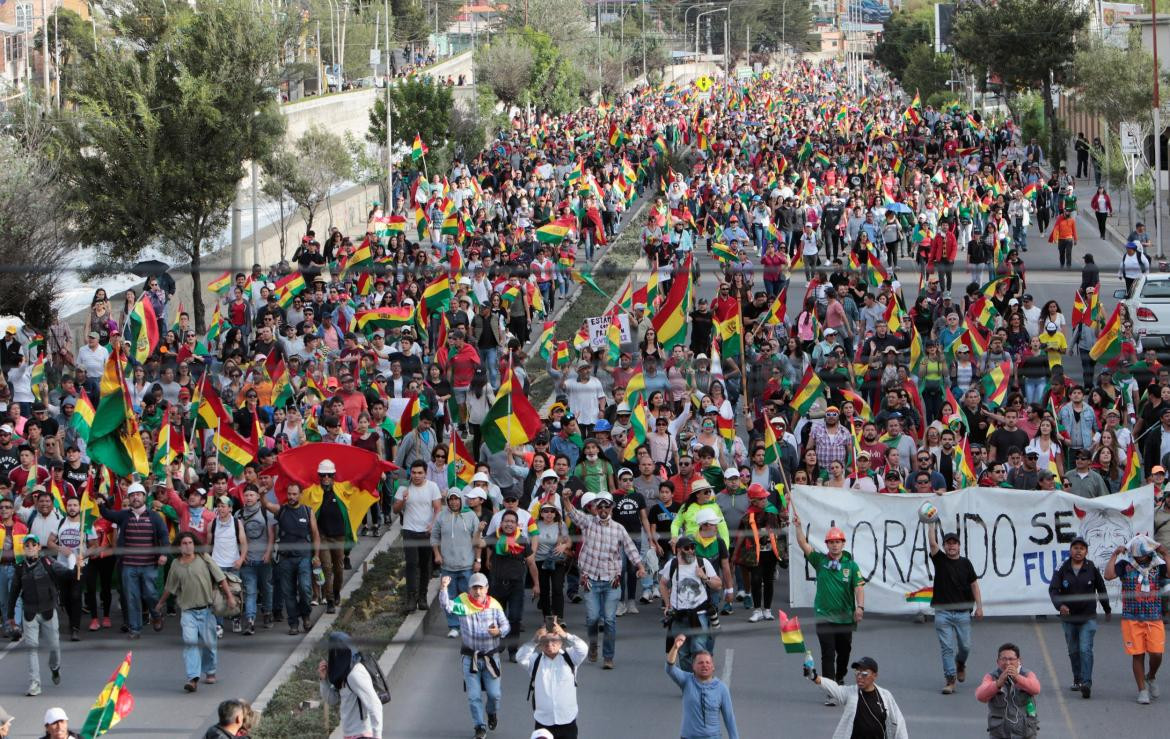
(161, 708)
(771, 697)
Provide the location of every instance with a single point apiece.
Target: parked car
(1149, 306)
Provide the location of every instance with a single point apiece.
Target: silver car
(1149, 307)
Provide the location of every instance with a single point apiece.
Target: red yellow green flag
(113, 704)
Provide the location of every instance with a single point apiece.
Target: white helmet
(706, 515)
(587, 498)
(326, 467)
(135, 487)
(603, 495)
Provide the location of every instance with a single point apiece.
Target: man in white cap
(551, 660)
(142, 534)
(57, 725)
(482, 624)
(456, 542)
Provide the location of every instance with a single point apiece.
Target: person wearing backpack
(346, 681)
(192, 580)
(257, 573)
(684, 584)
(551, 660)
(229, 549)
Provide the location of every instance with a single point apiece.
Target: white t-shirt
(419, 510)
(583, 399)
(69, 535)
(687, 591)
(522, 519)
(225, 549)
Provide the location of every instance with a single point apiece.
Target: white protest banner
(598, 325)
(1015, 539)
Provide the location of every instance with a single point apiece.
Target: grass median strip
(371, 617)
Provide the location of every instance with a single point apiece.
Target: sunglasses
(863, 673)
(686, 549)
(604, 504)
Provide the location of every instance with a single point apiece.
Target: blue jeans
(701, 640)
(1034, 389)
(6, 574)
(138, 582)
(954, 638)
(1079, 638)
(459, 580)
(491, 360)
(296, 587)
(601, 602)
(199, 642)
(256, 578)
(476, 684)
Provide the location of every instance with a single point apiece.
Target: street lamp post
(699, 18)
(685, 24)
(1157, 134)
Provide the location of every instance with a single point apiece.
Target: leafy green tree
(1116, 84)
(566, 22)
(75, 42)
(554, 81)
(420, 107)
(323, 163)
(280, 179)
(505, 67)
(1028, 44)
(772, 23)
(35, 230)
(926, 71)
(164, 121)
(902, 33)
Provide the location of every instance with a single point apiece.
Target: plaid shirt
(830, 447)
(601, 548)
(1140, 599)
(474, 625)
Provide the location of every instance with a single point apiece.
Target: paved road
(162, 709)
(637, 698)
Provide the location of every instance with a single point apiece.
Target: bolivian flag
(670, 318)
(724, 253)
(143, 333)
(810, 389)
(385, 318)
(359, 472)
(114, 439)
(113, 704)
(555, 232)
(289, 287)
(639, 428)
(82, 419)
(418, 150)
(461, 467)
(221, 283)
(1133, 469)
(790, 634)
(922, 595)
(511, 421)
(995, 383)
(436, 297)
(1108, 346)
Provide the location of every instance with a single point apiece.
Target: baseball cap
(1158, 468)
(1078, 539)
(730, 472)
(950, 535)
(55, 714)
(865, 663)
(477, 580)
(224, 500)
(6, 428)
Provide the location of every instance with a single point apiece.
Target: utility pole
(747, 45)
(389, 120)
(1157, 134)
(45, 50)
(644, 40)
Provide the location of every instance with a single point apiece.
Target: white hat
(475, 493)
(625, 472)
(830, 331)
(55, 714)
(603, 495)
(135, 487)
(481, 477)
(7, 428)
(623, 407)
(478, 580)
(706, 515)
(541, 734)
(587, 498)
(326, 467)
(549, 475)
(731, 472)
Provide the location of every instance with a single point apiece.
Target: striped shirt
(138, 540)
(474, 623)
(602, 545)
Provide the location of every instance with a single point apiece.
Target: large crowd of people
(654, 477)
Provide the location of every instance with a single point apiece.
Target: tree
(280, 178)
(505, 66)
(1116, 84)
(76, 41)
(563, 21)
(420, 107)
(902, 33)
(36, 234)
(323, 163)
(164, 121)
(1028, 44)
(772, 23)
(926, 71)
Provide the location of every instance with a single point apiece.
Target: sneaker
(1152, 686)
(767, 614)
(480, 732)
(575, 598)
(34, 689)
(277, 616)
(645, 599)
(218, 632)
(830, 702)
(452, 633)
(250, 629)
(632, 607)
(607, 665)
(1143, 697)
(740, 595)
(75, 635)
(94, 624)
(621, 609)
(106, 624)
(237, 625)
(749, 604)
(266, 620)
(961, 673)
(493, 721)
(306, 625)
(191, 685)
(727, 609)
(757, 616)
(949, 687)
(210, 679)
(330, 608)
(1086, 690)
(422, 604)
(314, 602)
(346, 563)
(592, 651)
(293, 631)
(56, 676)
(1076, 686)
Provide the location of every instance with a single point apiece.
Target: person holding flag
(870, 711)
(34, 587)
(840, 598)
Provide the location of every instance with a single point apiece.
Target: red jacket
(1095, 202)
(463, 364)
(944, 247)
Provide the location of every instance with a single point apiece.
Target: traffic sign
(1131, 134)
(704, 83)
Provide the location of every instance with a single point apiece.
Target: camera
(667, 618)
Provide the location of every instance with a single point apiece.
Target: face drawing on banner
(1105, 529)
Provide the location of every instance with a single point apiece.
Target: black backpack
(536, 666)
(376, 677)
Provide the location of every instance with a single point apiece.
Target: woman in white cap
(56, 725)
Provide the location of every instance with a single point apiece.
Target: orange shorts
(1143, 637)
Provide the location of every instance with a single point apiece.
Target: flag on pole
(113, 704)
(791, 635)
(418, 150)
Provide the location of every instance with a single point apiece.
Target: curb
(322, 625)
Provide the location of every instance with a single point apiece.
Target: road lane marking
(4, 652)
(1060, 701)
(728, 661)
